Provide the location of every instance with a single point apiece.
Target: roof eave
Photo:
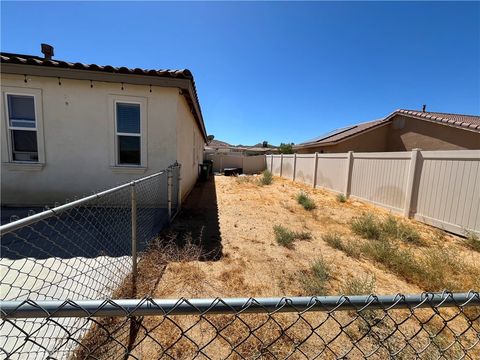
(186, 85)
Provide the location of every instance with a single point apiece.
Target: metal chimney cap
(424, 108)
(47, 50)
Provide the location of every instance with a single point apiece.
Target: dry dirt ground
(233, 218)
(253, 264)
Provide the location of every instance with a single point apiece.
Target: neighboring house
(68, 129)
(217, 147)
(402, 130)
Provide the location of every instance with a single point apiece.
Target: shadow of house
(198, 222)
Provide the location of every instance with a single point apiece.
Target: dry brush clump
(472, 240)
(335, 241)
(306, 201)
(286, 237)
(109, 337)
(266, 178)
(433, 269)
(315, 280)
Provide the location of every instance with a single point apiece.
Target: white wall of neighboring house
(77, 138)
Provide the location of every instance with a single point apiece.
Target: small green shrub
(306, 201)
(473, 241)
(394, 229)
(341, 198)
(315, 282)
(286, 237)
(266, 178)
(336, 242)
(366, 226)
(399, 261)
(359, 286)
(408, 233)
(283, 236)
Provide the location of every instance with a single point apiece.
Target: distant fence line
(440, 188)
(84, 249)
(250, 164)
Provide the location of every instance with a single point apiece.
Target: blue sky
(281, 72)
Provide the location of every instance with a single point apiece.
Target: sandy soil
(253, 264)
(233, 218)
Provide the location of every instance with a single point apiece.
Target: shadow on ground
(198, 221)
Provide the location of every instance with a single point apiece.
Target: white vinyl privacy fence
(440, 188)
(250, 164)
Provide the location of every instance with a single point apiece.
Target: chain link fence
(426, 326)
(85, 249)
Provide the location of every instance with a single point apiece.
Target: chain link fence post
(134, 237)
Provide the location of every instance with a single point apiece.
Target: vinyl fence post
(315, 166)
(271, 163)
(281, 164)
(348, 174)
(134, 237)
(221, 163)
(169, 193)
(407, 210)
(294, 166)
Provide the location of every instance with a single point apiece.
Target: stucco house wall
(415, 133)
(190, 157)
(78, 131)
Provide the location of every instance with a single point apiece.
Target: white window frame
(7, 156)
(114, 158)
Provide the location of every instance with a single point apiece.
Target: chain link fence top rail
(427, 326)
(81, 250)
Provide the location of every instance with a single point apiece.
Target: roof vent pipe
(47, 50)
(424, 108)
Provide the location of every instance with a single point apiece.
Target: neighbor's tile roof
(460, 120)
(471, 122)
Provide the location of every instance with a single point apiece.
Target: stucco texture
(79, 139)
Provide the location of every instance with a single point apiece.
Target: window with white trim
(128, 133)
(22, 127)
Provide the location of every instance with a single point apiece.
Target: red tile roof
(460, 120)
(20, 59)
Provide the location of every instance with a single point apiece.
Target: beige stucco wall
(78, 127)
(373, 140)
(429, 136)
(188, 132)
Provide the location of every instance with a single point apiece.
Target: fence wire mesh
(427, 326)
(80, 250)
